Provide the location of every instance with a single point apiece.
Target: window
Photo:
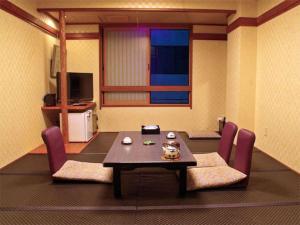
(146, 67)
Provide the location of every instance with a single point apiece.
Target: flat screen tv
(80, 87)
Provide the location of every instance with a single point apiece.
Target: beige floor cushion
(209, 160)
(74, 170)
(210, 177)
(203, 135)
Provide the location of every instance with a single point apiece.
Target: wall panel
(277, 111)
(25, 67)
(209, 83)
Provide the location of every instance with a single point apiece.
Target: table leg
(117, 182)
(182, 180)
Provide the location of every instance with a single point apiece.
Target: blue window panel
(169, 59)
(169, 80)
(169, 65)
(169, 97)
(169, 37)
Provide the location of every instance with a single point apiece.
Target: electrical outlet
(266, 132)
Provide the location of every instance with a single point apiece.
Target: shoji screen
(126, 58)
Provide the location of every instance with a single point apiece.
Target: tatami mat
(101, 144)
(288, 215)
(262, 162)
(38, 163)
(67, 218)
(264, 189)
(196, 146)
(276, 215)
(150, 196)
(39, 191)
(144, 189)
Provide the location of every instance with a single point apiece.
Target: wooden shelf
(88, 105)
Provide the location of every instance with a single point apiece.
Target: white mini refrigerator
(80, 126)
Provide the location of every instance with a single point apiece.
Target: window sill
(147, 105)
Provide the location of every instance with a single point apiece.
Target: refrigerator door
(80, 126)
(77, 128)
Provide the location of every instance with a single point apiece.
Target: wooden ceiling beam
(147, 24)
(222, 11)
(27, 17)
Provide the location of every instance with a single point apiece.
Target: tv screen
(80, 87)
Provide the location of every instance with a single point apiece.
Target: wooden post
(191, 67)
(100, 64)
(63, 76)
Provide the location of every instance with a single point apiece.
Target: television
(80, 87)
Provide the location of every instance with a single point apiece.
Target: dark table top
(138, 154)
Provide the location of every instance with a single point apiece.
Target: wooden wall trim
(242, 21)
(144, 88)
(277, 10)
(101, 83)
(83, 36)
(209, 36)
(225, 11)
(265, 17)
(191, 69)
(25, 16)
(83, 23)
(146, 105)
(148, 24)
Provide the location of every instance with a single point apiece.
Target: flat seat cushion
(209, 160)
(203, 135)
(84, 171)
(211, 177)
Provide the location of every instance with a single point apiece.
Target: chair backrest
(226, 141)
(55, 148)
(244, 149)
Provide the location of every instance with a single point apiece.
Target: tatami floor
(28, 196)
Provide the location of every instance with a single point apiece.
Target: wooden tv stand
(73, 108)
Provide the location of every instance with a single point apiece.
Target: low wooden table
(128, 157)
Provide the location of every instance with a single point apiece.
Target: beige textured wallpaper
(263, 83)
(24, 62)
(233, 75)
(83, 56)
(277, 122)
(241, 72)
(247, 77)
(244, 8)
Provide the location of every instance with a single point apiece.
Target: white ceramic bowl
(127, 140)
(171, 135)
